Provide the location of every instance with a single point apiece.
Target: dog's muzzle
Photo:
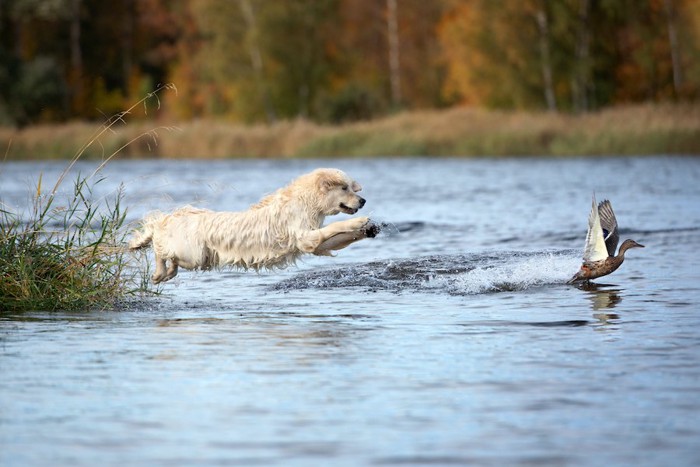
(348, 210)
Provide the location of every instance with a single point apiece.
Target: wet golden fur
(272, 233)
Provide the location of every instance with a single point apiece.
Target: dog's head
(338, 192)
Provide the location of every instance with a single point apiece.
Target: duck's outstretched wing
(595, 249)
(609, 225)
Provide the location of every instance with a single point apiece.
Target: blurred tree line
(340, 60)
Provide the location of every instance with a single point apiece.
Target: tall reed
(70, 254)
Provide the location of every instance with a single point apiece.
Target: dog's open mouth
(347, 209)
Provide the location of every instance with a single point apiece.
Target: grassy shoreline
(632, 130)
(68, 251)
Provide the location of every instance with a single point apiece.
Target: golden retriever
(271, 234)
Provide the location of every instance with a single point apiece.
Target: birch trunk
(674, 45)
(546, 60)
(394, 50)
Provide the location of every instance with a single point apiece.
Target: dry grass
(639, 130)
(474, 132)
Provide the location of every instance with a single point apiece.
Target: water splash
(518, 272)
(451, 274)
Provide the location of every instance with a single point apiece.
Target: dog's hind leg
(172, 271)
(160, 275)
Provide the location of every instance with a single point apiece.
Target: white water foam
(518, 273)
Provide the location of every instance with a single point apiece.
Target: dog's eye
(345, 188)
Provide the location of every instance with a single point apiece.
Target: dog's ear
(356, 187)
(326, 182)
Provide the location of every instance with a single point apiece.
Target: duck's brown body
(594, 269)
(599, 257)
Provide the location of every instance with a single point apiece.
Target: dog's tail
(143, 237)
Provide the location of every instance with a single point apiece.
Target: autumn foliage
(342, 60)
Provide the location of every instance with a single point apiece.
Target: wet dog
(271, 234)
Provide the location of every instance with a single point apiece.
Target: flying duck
(601, 242)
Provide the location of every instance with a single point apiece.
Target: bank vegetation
(463, 132)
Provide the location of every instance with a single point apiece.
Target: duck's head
(627, 244)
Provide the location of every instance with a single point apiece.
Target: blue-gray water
(449, 339)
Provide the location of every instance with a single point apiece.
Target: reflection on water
(602, 296)
(451, 339)
(607, 318)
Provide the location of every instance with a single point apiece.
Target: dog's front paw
(371, 229)
(359, 223)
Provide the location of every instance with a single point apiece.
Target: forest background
(260, 78)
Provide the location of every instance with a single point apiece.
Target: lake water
(451, 339)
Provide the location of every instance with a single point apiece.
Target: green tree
(298, 38)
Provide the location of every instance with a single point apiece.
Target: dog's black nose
(362, 202)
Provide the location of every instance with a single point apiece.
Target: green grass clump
(65, 258)
(68, 253)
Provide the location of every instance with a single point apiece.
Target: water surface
(450, 339)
